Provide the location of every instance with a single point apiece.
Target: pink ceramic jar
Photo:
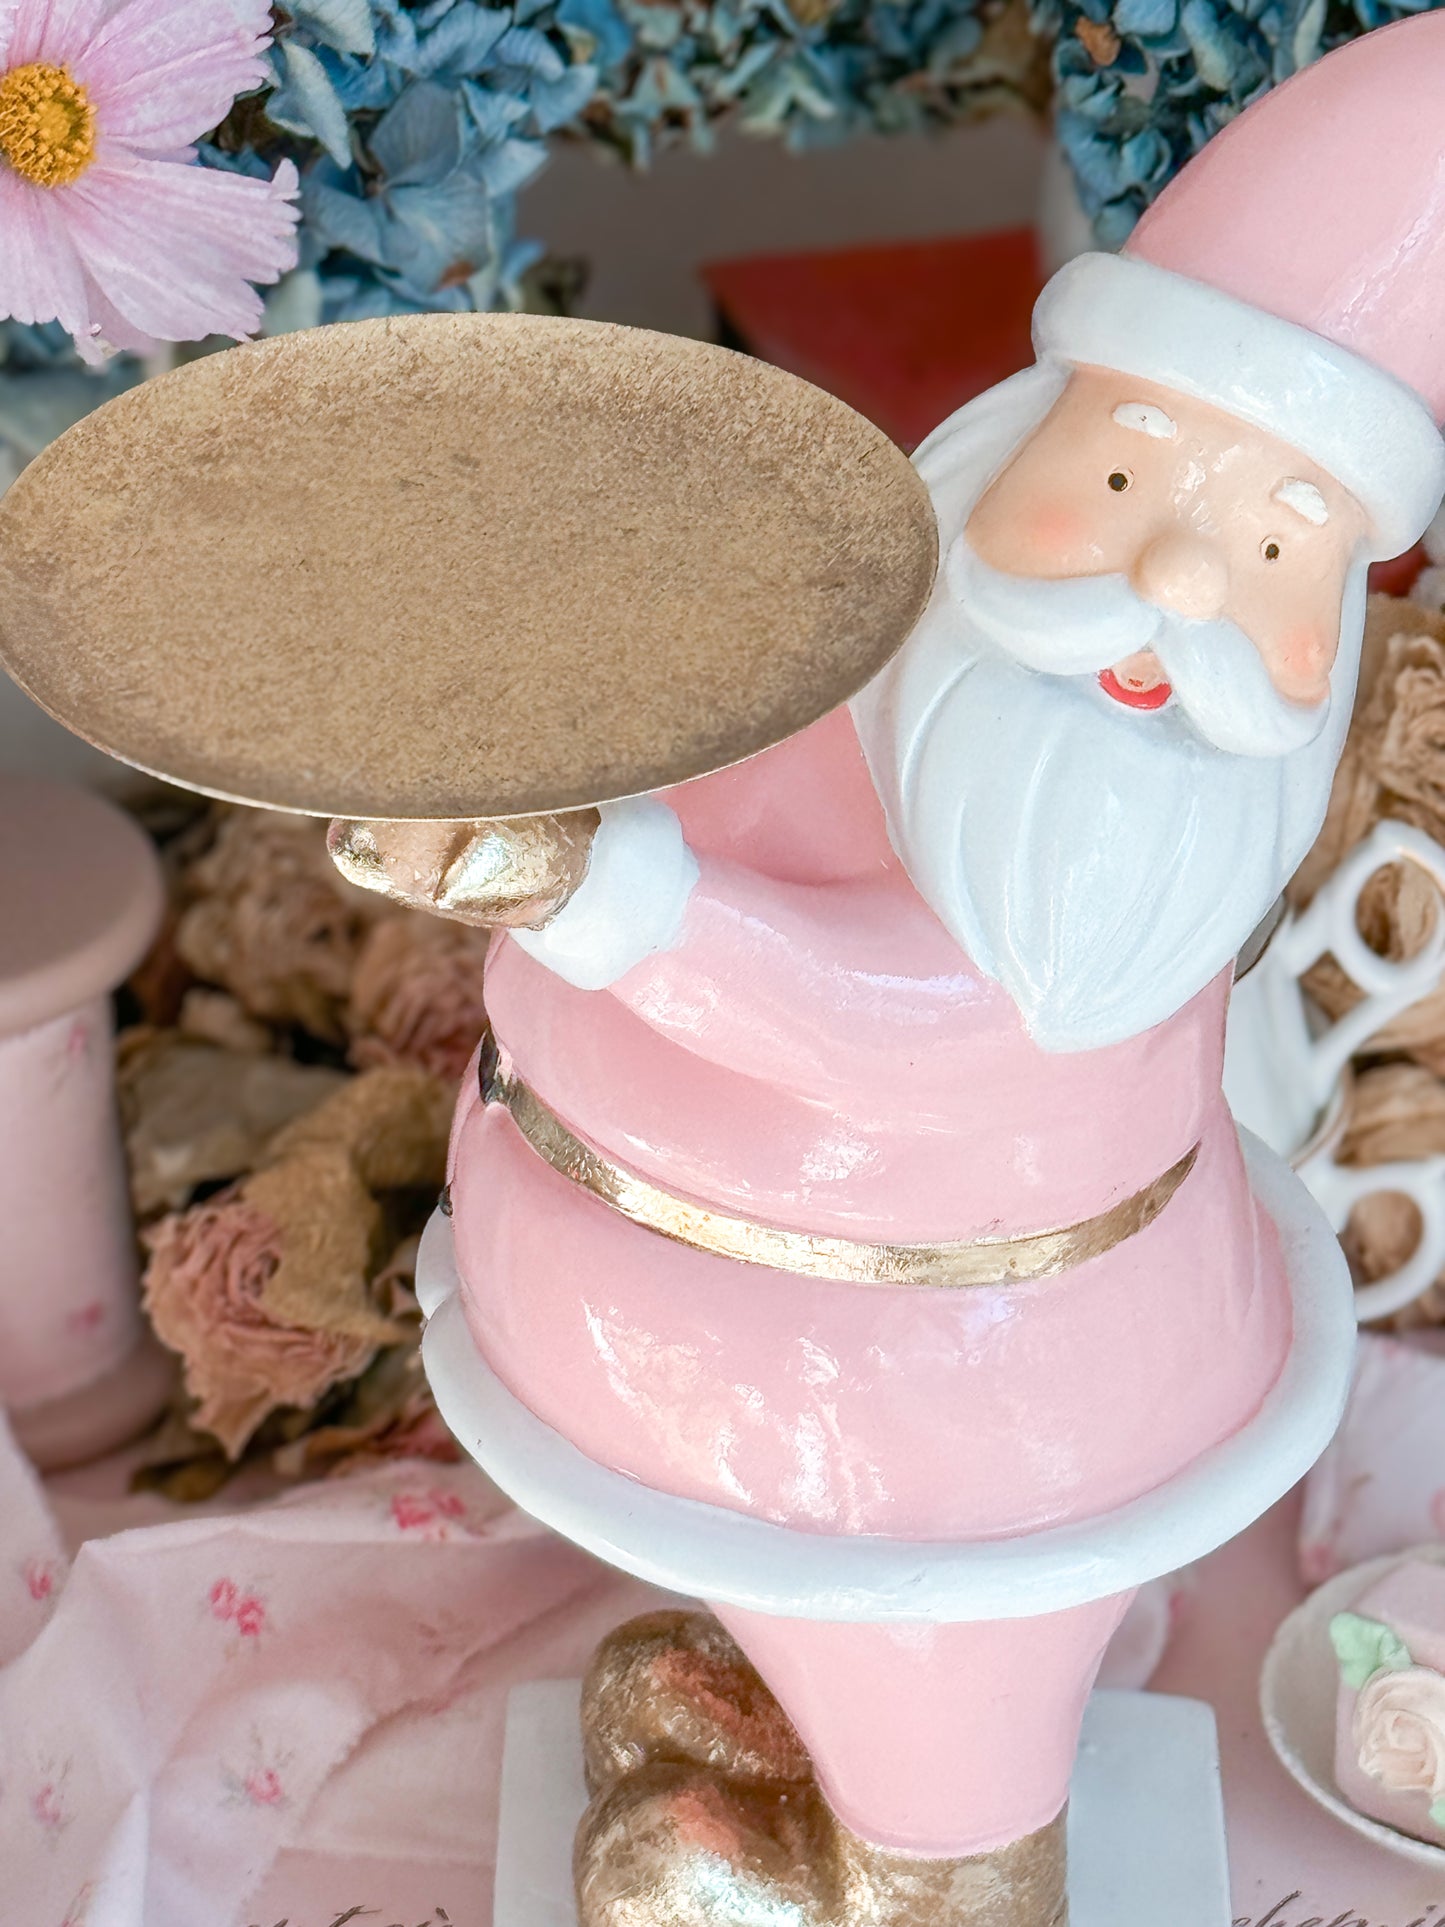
(82, 900)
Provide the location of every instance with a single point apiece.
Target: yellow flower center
(47, 124)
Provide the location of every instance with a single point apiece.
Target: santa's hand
(509, 873)
(589, 894)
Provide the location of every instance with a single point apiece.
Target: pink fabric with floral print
(1380, 1487)
(175, 1702)
(202, 1714)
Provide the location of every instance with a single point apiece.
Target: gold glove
(515, 872)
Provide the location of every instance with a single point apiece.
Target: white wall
(646, 234)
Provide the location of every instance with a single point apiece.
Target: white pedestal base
(1146, 1821)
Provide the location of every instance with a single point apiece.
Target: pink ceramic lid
(81, 898)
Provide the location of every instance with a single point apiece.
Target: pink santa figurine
(846, 1223)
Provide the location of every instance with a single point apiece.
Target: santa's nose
(1184, 573)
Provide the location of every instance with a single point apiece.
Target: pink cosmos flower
(107, 223)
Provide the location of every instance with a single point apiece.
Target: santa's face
(1101, 774)
(1204, 517)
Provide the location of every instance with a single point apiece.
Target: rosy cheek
(1058, 529)
(1303, 661)
(1305, 650)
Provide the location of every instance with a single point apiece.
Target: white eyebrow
(1146, 419)
(1305, 499)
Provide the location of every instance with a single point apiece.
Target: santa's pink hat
(1294, 275)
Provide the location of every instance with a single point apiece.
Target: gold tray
(451, 566)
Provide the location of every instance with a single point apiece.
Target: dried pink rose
(273, 922)
(206, 1289)
(416, 996)
(390, 1412)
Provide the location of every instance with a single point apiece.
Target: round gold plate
(454, 566)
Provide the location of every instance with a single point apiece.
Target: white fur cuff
(631, 903)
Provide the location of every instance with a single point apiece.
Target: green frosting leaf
(1437, 1813)
(1365, 1647)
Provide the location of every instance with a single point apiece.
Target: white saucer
(1297, 1693)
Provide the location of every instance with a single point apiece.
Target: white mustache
(1082, 625)
(1225, 690)
(1074, 626)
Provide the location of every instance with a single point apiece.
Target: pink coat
(818, 1053)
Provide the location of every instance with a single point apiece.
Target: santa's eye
(1120, 480)
(1270, 550)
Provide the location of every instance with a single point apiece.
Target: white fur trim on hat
(1362, 426)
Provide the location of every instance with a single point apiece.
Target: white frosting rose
(1399, 1730)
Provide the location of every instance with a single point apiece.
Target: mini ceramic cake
(1390, 1726)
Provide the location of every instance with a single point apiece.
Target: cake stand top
(453, 566)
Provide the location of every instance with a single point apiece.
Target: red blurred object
(1398, 577)
(904, 333)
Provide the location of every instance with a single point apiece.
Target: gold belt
(959, 1263)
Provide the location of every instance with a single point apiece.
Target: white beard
(1102, 864)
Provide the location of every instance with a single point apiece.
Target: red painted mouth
(1154, 698)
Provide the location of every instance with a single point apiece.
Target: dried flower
(264, 1292)
(107, 223)
(204, 1290)
(392, 1126)
(194, 1114)
(1410, 755)
(215, 1017)
(1101, 40)
(390, 1414)
(1397, 1114)
(1396, 915)
(1181, 72)
(1393, 765)
(416, 996)
(273, 922)
(386, 1413)
(1399, 636)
